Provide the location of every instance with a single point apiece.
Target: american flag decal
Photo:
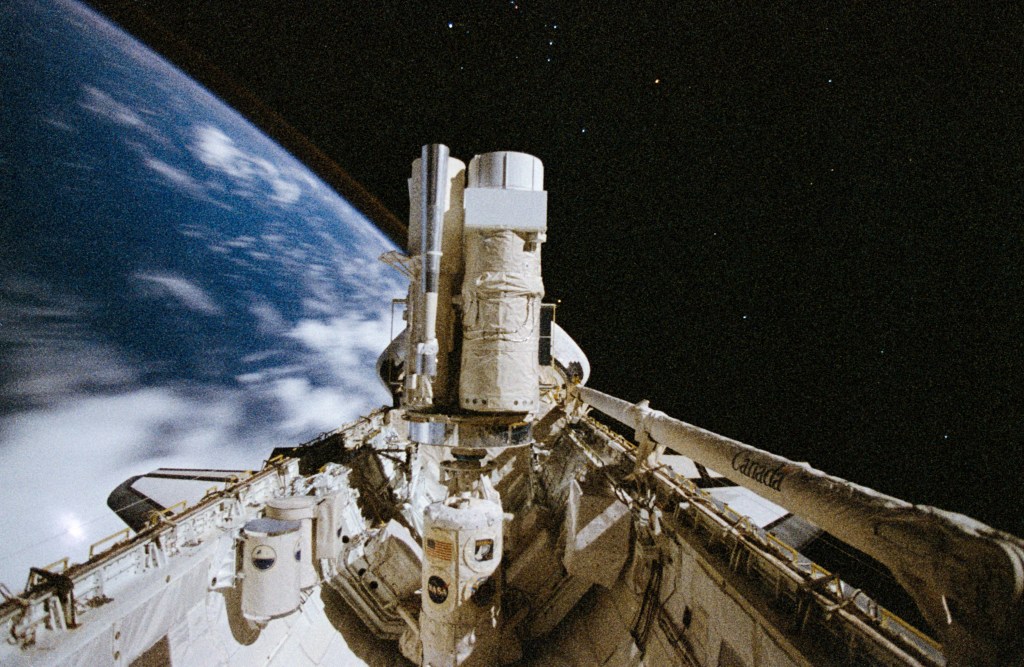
(438, 549)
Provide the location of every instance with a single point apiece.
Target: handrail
(273, 460)
(64, 562)
(886, 615)
(125, 532)
(156, 516)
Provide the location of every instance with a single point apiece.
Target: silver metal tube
(433, 179)
(966, 578)
(434, 174)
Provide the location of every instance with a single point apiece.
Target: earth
(176, 289)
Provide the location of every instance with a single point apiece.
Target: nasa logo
(437, 589)
(263, 557)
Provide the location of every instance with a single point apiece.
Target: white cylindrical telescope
(434, 193)
(435, 237)
(505, 223)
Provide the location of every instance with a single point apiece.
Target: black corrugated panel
(547, 316)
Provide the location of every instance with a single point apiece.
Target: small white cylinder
(270, 569)
(301, 509)
(338, 520)
(507, 170)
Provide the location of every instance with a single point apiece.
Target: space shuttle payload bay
(489, 518)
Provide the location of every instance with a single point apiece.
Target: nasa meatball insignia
(437, 589)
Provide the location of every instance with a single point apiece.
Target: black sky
(795, 224)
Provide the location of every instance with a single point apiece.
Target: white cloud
(285, 192)
(61, 462)
(172, 174)
(180, 180)
(218, 151)
(240, 242)
(103, 104)
(60, 125)
(308, 408)
(48, 351)
(268, 320)
(257, 357)
(49, 369)
(344, 345)
(183, 290)
(251, 176)
(89, 425)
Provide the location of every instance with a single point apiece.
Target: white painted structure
(301, 509)
(488, 519)
(271, 568)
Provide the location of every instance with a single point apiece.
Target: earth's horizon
(178, 290)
